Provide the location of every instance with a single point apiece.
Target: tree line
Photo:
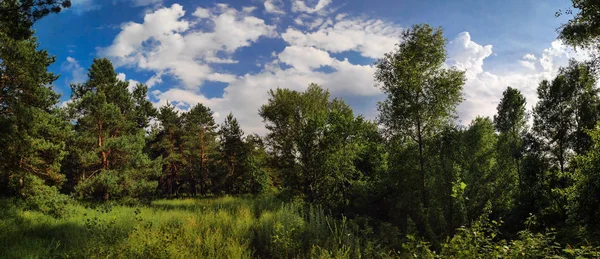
(413, 170)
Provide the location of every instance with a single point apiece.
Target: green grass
(225, 227)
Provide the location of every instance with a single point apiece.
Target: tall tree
(511, 122)
(200, 147)
(484, 179)
(168, 146)
(32, 129)
(109, 141)
(313, 143)
(258, 175)
(566, 110)
(421, 95)
(584, 206)
(568, 107)
(234, 151)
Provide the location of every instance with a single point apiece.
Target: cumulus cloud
(370, 38)
(467, 55)
(300, 6)
(307, 59)
(529, 57)
(274, 6)
(77, 73)
(187, 47)
(167, 43)
(483, 89)
(527, 64)
(132, 83)
(246, 94)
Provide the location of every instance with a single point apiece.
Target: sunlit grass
(224, 227)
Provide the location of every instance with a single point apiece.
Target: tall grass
(225, 227)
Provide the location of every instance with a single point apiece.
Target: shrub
(44, 198)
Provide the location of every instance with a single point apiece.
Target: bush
(44, 198)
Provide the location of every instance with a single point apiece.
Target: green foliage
(44, 198)
(206, 228)
(200, 150)
(585, 207)
(17, 16)
(584, 28)
(32, 129)
(567, 108)
(315, 143)
(109, 142)
(422, 97)
(352, 187)
(511, 123)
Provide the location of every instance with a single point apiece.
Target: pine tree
(109, 142)
(143, 110)
(168, 146)
(200, 149)
(32, 131)
(234, 152)
(17, 16)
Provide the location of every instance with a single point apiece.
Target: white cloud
(349, 34)
(300, 6)
(274, 6)
(467, 55)
(167, 43)
(77, 73)
(132, 83)
(188, 48)
(121, 76)
(483, 89)
(307, 59)
(246, 94)
(155, 79)
(304, 59)
(248, 9)
(527, 64)
(201, 13)
(529, 57)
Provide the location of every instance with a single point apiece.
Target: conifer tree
(168, 147)
(109, 141)
(234, 152)
(200, 149)
(32, 128)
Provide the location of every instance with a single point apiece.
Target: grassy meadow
(223, 227)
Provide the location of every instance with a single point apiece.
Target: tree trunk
(21, 180)
(172, 166)
(232, 171)
(203, 168)
(104, 157)
(424, 197)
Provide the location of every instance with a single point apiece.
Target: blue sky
(227, 54)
